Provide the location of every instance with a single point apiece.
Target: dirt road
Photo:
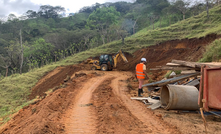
(102, 106)
(93, 102)
(80, 118)
(99, 102)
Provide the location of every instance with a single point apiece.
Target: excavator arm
(119, 53)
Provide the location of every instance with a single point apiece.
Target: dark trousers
(140, 91)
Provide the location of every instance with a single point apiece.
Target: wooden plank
(217, 64)
(172, 80)
(186, 63)
(195, 64)
(174, 65)
(189, 71)
(139, 98)
(156, 69)
(173, 68)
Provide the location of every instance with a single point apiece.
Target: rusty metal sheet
(212, 88)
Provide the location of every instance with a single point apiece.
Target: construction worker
(141, 73)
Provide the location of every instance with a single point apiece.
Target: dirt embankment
(160, 54)
(44, 117)
(52, 79)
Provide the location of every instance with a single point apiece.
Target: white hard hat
(143, 59)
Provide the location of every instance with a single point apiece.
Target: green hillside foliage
(70, 40)
(213, 52)
(15, 89)
(91, 27)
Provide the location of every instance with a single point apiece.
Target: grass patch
(213, 52)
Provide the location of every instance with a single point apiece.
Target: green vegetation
(194, 27)
(24, 39)
(15, 89)
(213, 52)
(81, 43)
(177, 72)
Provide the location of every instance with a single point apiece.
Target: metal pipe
(215, 113)
(179, 97)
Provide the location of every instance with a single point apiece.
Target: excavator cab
(104, 59)
(106, 62)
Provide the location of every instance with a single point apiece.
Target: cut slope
(45, 116)
(53, 79)
(158, 55)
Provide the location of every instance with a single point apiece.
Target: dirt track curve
(92, 103)
(102, 106)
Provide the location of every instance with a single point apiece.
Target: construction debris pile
(198, 86)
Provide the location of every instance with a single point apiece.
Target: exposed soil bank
(160, 54)
(52, 79)
(44, 117)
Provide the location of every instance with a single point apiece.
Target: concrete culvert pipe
(179, 97)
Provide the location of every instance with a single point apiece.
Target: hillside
(38, 38)
(187, 37)
(194, 27)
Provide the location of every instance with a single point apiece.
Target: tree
(47, 11)
(90, 9)
(102, 18)
(15, 54)
(22, 53)
(182, 6)
(86, 34)
(153, 18)
(31, 14)
(122, 7)
(217, 1)
(135, 15)
(123, 29)
(197, 8)
(39, 51)
(12, 17)
(170, 11)
(5, 63)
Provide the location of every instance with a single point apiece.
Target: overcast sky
(19, 7)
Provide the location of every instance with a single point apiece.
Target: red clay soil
(115, 117)
(100, 107)
(160, 54)
(44, 116)
(53, 79)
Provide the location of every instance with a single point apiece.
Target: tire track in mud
(155, 124)
(102, 106)
(113, 115)
(81, 118)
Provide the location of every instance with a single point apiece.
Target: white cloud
(21, 6)
(16, 6)
(73, 6)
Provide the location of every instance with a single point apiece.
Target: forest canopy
(40, 37)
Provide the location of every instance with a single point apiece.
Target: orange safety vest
(139, 71)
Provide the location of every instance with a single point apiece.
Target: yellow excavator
(108, 62)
